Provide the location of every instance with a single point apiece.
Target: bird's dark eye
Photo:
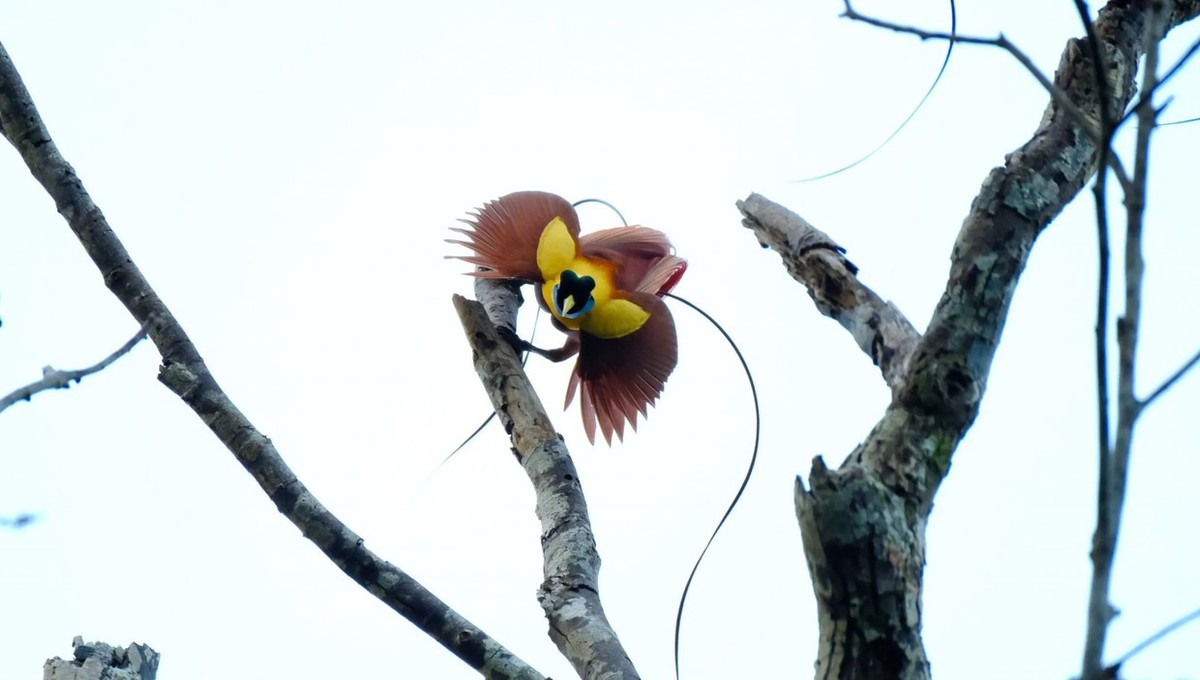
(573, 294)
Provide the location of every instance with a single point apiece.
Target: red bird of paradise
(602, 289)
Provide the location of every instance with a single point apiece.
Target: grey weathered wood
(570, 592)
(863, 525)
(102, 661)
(813, 259)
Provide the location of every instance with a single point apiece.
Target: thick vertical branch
(863, 525)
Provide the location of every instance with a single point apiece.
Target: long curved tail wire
(936, 80)
(741, 489)
(524, 358)
(603, 202)
(1179, 122)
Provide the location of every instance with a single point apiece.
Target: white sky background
(285, 174)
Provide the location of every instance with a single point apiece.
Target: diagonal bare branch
(570, 593)
(1113, 670)
(1170, 382)
(55, 379)
(813, 259)
(185, 373)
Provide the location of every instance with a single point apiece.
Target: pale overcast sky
(285, 174)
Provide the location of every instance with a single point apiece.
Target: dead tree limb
(183, 371)
(1115, 448)
(570, 593)
(56, 379)
(863, 525)
(813, 259)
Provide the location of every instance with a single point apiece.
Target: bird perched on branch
(602, 289)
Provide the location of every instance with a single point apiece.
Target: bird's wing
(619, 377)
(504, 233)
(642, 257)
(628, 241)
(662, 275)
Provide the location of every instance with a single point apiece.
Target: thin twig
(1060, 97)
(1169, 382)
(1148, 96)
(1162, 633)
(54, 379)
(1180, 122)
(185, 373)
(1112, 493)
(1098, 616)
(1003, 43)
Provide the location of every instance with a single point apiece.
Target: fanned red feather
(637, 251)
(504, 233)
(618, 378)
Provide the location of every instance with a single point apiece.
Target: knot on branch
(786, 232)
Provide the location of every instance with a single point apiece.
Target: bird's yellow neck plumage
(579, 290)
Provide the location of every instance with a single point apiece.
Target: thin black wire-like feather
(745, 481)
(603, 202)
(524, 357)
(903, 123)
(1179, 122)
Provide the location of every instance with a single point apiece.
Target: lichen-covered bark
(570, 593)
(863, 525)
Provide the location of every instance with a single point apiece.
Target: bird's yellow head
(579, 291)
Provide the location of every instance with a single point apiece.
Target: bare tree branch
(1100, 192)
(813, 259)
(863, 525)
(1115, 468)
(54, 379)
(1170, 382)
(1171, 73)
(570, 593)
(1089, 123)
(1114, 668)
(184, 372)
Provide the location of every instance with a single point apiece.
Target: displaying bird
(602, 289)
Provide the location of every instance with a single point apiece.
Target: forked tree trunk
(863, 525)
